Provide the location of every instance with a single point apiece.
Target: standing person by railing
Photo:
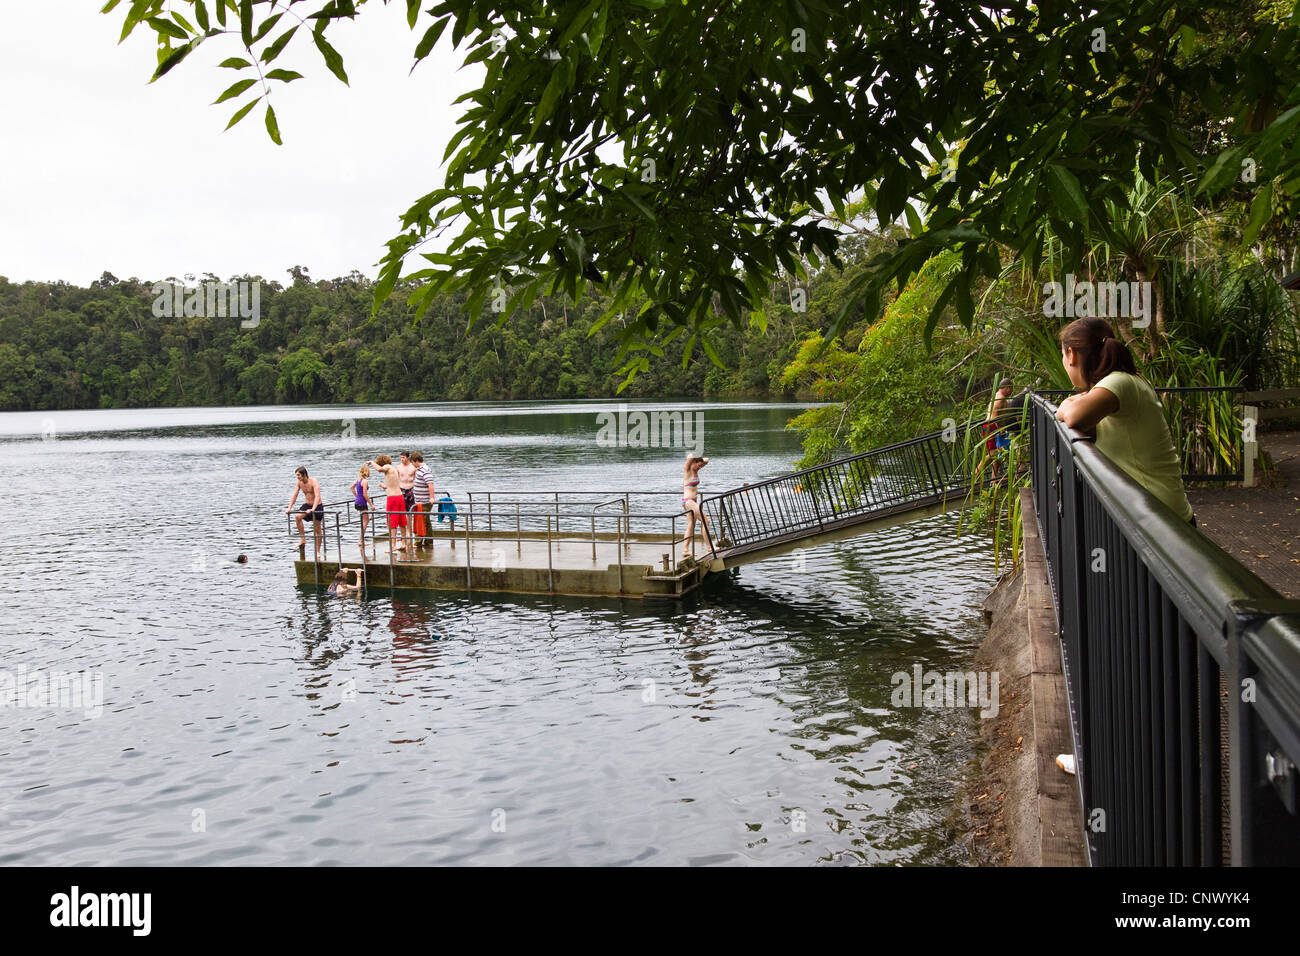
(395, 503)
(423, 490)
(363, 503)
(314, 505)
(690, 499)
(1123, 410)
(406, 480)
(998, 439)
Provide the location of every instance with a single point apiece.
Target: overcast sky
(101, 171)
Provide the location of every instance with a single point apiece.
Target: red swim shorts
(396, 511)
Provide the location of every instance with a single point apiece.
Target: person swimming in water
(340, 586)
(690, 500)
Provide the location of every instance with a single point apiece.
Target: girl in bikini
(363, 502)
(690, 500)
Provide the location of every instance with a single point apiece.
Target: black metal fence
(902, 476)
(1182, 668)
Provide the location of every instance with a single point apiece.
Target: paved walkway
(1260, 527)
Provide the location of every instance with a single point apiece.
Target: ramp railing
(893, 478)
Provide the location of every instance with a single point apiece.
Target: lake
(242, 719)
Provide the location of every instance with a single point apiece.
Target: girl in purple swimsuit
(363, 504)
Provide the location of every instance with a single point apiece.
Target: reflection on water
(247, 720)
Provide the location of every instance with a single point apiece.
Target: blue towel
(446, 509)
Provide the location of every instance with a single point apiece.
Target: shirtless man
(998, 437)
(314, 505)
(406, 479)
(396, 502)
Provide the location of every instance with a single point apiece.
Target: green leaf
(577, 23)
(914, 224)
(1261, 211)
(932, 320)
(180, 53)
(243, 111)
(139, 10)
(1222, 171)
(201, 15)
(278, 45)
(711, 352)
(1067, 195)
(596, 36)
(235, 63)
(234, 90)
(332, 58)
(267, 26)
(167, 28)
(246, 21)
(272, 126)
(284, 76)
(429, 39)
(108, 7)
(641, 207)
(555, 87)
(412, 12)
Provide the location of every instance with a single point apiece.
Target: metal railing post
(817, 512)
(1250, 419)
(550, 568)
(469, 521)
(708, 535)
(620, 556)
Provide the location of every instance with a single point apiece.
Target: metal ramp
(878, 488)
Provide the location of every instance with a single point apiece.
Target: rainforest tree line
(102, 346)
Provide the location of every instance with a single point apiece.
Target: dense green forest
(64, 346)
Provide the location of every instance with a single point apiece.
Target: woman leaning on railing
(1123, 411)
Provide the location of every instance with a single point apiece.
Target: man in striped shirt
(423, 489)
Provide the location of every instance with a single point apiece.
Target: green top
(1137, 439)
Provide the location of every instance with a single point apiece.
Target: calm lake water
(246, 720)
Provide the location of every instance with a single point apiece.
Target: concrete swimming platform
(640, 566)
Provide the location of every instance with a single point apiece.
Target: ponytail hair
(1100, 353)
